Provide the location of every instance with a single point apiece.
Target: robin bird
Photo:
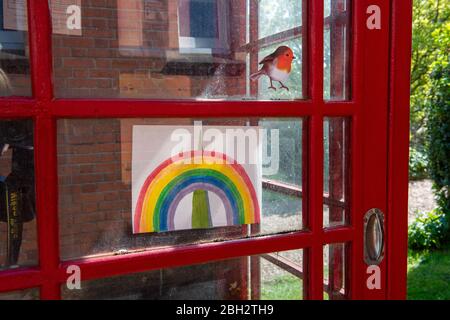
(277, 66)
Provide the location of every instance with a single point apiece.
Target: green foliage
(431, 25)
(438, 135)
(430, 117)
(428, 231)
(418, 162)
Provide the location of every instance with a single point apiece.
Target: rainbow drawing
(172, 180)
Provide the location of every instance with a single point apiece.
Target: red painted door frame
(379, 112)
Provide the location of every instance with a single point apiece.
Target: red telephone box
(83, 75)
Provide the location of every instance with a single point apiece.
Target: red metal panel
(83, 108)
(339, 235)
(201, 253)
(315, 193)
(40, 31)
(357, 66)
(108, 266)
(140, 108)
(46, 203)
(17, 108)
(398, 149)
(39, 22)
(373, 129)
(306, 40)
(18, 279)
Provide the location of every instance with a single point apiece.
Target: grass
(429, 275)
(285, 287)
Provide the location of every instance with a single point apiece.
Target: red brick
(78, 63)
(78, 42)
(101, 53)
(80, 73)
(88, 178)
(101, 43)
(89, 207)
(110, 196)
(89, 217)
(124, 64)
(91, 197)
(81, 83)
(102, 73)
(103, 63)
(89, 187)
(99, 13)
(107, 167)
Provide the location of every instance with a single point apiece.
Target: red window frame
(394, 46)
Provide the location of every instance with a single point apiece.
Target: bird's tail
(257, 75)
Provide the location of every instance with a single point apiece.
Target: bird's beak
(293, 58)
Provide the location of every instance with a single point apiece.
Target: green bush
(432, 230)
(438, 136)
(418, 162)
(431, 40)
(428, 231)
(430, 117)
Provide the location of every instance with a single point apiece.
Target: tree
(430, 49)
(430, 117)
(438, 135)
(432, 230)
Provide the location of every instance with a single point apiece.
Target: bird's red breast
(285, 58)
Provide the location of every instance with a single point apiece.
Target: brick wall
(127, 47)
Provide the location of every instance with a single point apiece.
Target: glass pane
(18, 245)
(285, 136)
(14, 49)
(337, 44)
(278, 16)
(336, 171)
(186, 49)
(28, 294)
(271, 276)
(335, 271)
(116, 171)
(282, 276)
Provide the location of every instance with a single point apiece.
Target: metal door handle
(374, 237)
